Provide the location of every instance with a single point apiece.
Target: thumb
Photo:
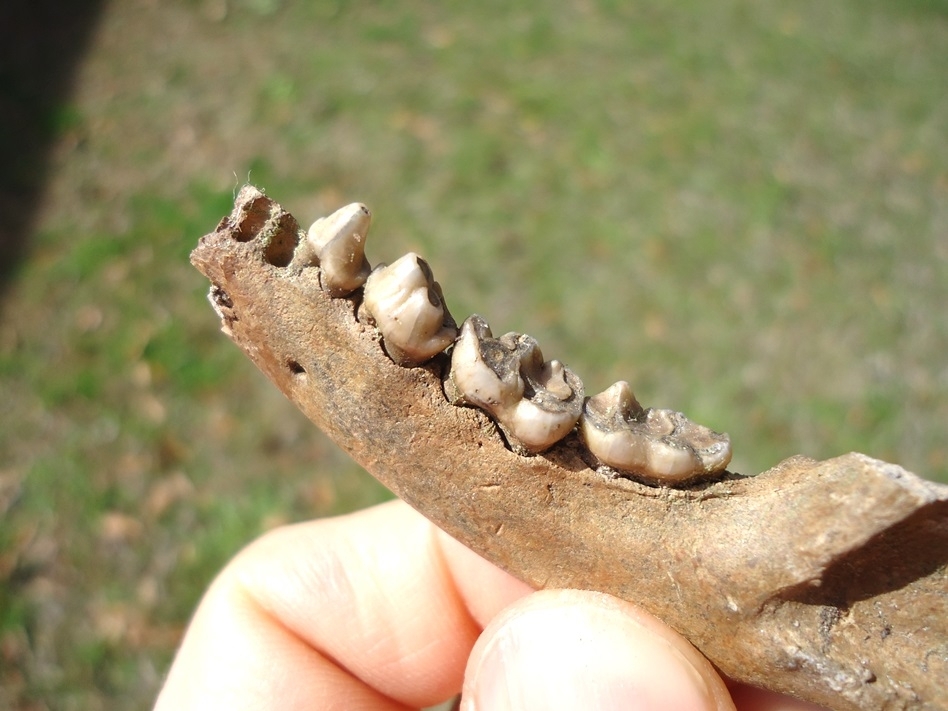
(571, 649)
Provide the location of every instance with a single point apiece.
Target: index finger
(377, 609)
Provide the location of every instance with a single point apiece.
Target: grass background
(740, 207)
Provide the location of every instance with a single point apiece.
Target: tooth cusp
(337, 244)
(536, 403)
(661, 446)
(406, 305)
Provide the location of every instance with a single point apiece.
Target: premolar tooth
(536, 403)
(483, 373)
(337, 244)
(662, 446)
(406, 304)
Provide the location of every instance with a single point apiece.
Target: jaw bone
(535, 402)
(337, 244)
(662, 446)
(407, 306)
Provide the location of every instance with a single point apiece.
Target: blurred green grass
(741, 208)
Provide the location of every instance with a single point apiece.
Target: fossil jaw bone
(406, 304)
(337, 244)
(662, 446)
(535, 402)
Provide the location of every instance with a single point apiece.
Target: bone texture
(826, 580)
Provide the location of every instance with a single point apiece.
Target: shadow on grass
(43, 42)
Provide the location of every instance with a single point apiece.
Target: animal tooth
(337, 244)
(662, 446)
(488, 386)
(535, 402)
(538, 428)
(407, 306)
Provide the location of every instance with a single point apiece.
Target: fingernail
(590, 657)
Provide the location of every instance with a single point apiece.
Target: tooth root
(535, 403)
(406, 305)
(337, 244)
(662, 446)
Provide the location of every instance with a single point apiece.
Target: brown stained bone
(825, 580)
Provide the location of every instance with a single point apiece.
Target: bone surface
(825, 580)
(535, 402)
(337, 244)
(662, 446)
(407, 306)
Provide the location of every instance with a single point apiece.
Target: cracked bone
(337, 244)
(406, 304)
(661, 446)
(535, 402)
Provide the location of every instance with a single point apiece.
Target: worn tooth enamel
(538, 428)
(553, 377)
(407, 306)
(337, 244)
(474, 381)
(536, 403)
(662, 446)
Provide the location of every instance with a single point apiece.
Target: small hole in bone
(295, 367)
(219, 297)
(252, 217)
(282, 242)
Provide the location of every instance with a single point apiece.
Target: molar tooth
(536, 403)
(663, 446)
(337, 244)
(406, 304)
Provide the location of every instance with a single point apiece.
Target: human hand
(381, 610)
